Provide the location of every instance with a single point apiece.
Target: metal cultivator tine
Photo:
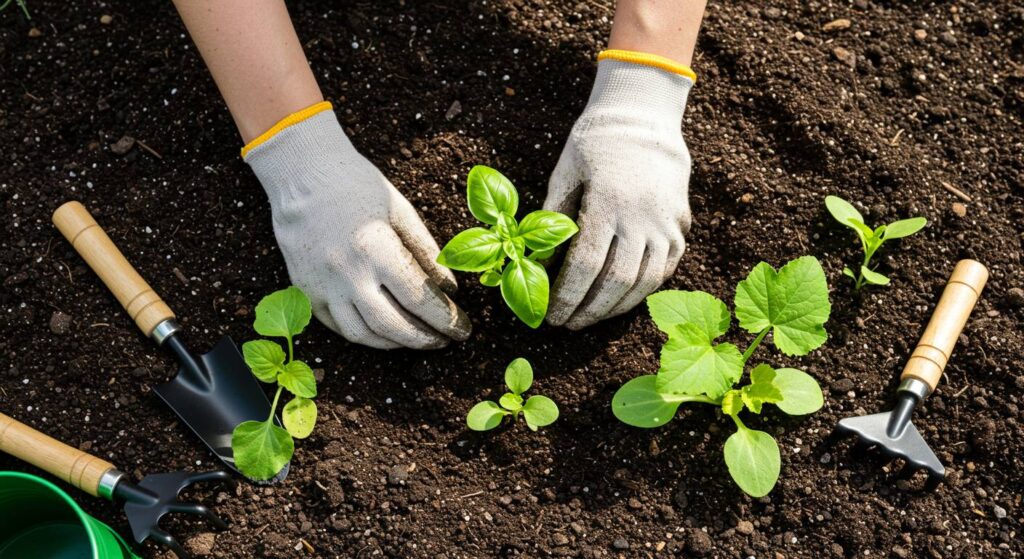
(155, 496)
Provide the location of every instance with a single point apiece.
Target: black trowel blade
(215, 399)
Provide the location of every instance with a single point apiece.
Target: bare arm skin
(664, 27)
(255, 57)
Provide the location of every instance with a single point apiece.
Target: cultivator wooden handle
(81, 469)
(145, 307)
(948, 320)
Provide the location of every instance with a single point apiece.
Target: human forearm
(663, 27)
(255, 58)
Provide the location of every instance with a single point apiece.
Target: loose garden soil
(895, 110)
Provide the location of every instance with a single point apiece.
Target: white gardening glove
(351, 241)
(624, 170)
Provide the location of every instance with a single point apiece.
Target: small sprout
(870, 239)
(20, 3)
(792, 304)
(524, 283)
(262, 448)
(537, 411)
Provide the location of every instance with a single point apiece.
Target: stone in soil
(201, 543)
(60, 323)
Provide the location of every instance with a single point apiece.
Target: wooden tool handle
(145, 307)
(78, 468)
(955, 305)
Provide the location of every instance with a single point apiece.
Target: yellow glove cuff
(285, 122)
(645, 59)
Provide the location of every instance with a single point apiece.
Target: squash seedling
(792, 304)
(870, 239)
(262, 448)
(537, 411)
(524, 282)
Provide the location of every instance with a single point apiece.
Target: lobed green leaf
(761, 389)
(511, 402)
(691, 365)
(490, 194)
(793, 302)
(284, 313)
(671, 308)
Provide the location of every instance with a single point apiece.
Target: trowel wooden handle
(955, 305)
(145, 307)
(74, 466)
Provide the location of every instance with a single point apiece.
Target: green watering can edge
(83, 516)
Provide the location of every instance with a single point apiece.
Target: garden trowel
(212, 393)
(892, 432)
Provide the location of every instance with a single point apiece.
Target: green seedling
(537, 411)
(20, 3)
(262, 448)
(524, 282)
(792, 304)
(870, 239)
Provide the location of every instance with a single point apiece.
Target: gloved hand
(351, 241)
(624, 170)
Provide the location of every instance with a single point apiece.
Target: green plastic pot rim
(83, 516)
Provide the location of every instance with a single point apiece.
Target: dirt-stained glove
(351, 241)
(624, 170)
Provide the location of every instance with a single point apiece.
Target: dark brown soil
(775, 123)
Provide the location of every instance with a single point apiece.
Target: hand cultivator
(145, 503)
(892, 432)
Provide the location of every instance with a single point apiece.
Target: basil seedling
(870, 239)
(537, 411)
(524, 282)
(262, 448)
(792, 304)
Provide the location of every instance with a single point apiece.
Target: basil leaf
(473, 250)
(544, 230)
(490, 194)
(524, 286)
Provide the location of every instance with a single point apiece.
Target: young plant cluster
(791, 303)
(263, 448)
(538, 411)
(524, 283)
(870, 239)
